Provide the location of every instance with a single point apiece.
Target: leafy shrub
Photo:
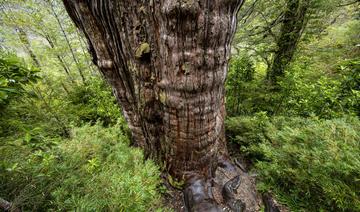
(336, 95)
(350, 85)
(310, 164)
(247, 131)
(49, 109)
(16, 99)
(93, 102)
(318, 82)
(14, 75)
(239, 81)
(95, 170)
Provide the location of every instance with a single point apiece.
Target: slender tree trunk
(25, 41)
(65, 89)
(67, 42)
(50, 110)
(291, 30)
(60, 58)
(166, 61)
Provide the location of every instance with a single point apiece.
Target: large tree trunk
(293, 25)
(166, 61)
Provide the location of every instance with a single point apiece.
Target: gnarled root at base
(231, 189)
(8, 206)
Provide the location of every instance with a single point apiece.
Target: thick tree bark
(293, 25)
(166, 61)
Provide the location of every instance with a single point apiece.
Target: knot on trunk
(187, 9)
(143, 52)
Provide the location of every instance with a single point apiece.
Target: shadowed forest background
(292, 101)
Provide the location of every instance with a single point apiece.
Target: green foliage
(310, 164)
(93, 102)
(241, 69)
(304, 92)
(350, 85)
(14, 75)
(36, 22)
(94, 170)
(64, 145)
(247, 131)
(239, 79)
(260, 22)
(334, 95)
(48, 165)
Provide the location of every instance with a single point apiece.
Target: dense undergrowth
(94, 170)
(303, 139)
(71, 151)
(64, 145)
(309, 163)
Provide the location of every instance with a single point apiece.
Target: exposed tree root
(271, 205)
(231, 189)
(7, 206)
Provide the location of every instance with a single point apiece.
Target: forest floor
(246, 192)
